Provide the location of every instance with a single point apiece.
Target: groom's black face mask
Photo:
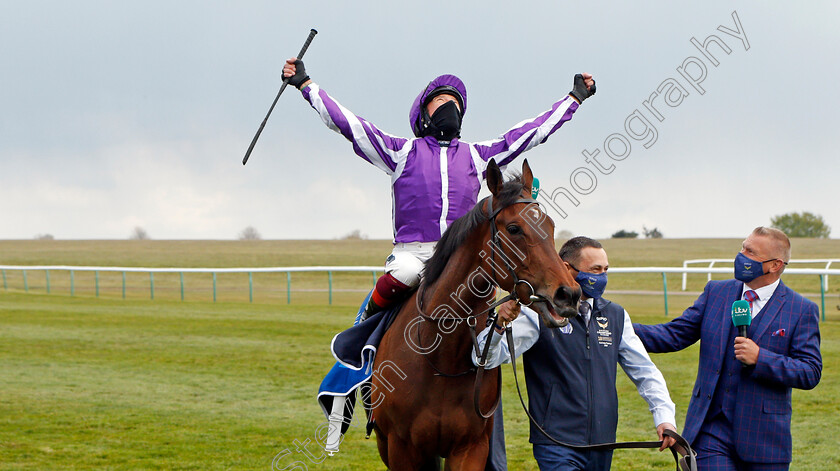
(446, 122)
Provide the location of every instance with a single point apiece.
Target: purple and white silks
(433, 185)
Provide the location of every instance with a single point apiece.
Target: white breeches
(407, 260)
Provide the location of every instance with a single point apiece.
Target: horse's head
(522, 239)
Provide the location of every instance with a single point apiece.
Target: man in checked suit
(739, 413)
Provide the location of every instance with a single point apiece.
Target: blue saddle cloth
(355, 350)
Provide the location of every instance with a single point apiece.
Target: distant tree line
(654, 233)
(802, 224)
(139, 234)
(249, 233)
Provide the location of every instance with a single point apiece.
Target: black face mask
(446, 122)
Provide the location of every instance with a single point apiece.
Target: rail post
(25, 283)
(214, 287)
(72, 284)
(5, 286)
(822, 294)
(250, 287)
(182, 286)
(152, 285)
(123, 285)
(665, 291)
(329, 274)
(288, 287)
(47, 274)
(97, 282)
(827, 266)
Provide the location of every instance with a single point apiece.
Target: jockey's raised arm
(369, 142)
(435, 177)
(527, 134)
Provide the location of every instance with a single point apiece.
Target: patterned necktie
(750, 296)
(584, 309)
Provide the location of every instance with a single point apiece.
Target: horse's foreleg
(400, 456)
(472, 457)
(382, 445)
(434, 464)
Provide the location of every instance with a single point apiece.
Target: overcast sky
(115, 115)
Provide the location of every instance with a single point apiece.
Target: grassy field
(107, 383)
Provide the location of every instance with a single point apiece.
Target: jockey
(435, 177)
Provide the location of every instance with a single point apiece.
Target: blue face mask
(592, 284)
(747, 269)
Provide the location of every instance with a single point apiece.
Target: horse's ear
(527, 178)
(494, 178)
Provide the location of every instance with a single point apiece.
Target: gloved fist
(584, 87)
(295, 73)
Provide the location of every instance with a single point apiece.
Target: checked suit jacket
(787, 333)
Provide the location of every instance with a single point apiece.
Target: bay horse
(426, 408)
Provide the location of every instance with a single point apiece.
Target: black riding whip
(312, 34)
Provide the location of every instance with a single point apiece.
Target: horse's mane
(458, 231)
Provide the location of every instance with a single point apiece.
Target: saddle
(354, 350)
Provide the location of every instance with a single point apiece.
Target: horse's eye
(513, 229)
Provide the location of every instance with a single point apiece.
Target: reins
(684, 456)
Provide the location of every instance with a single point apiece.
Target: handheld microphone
(741, 316)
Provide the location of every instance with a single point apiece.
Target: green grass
(138, 385)
(106, 383)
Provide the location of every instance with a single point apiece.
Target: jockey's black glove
(300, 77)
(579, 90)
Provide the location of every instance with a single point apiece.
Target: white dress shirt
(632, 357)
(763, 294)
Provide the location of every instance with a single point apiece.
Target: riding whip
(312, 34)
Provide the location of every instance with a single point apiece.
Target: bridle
(491, 319)
(494, 240)
(514, 295)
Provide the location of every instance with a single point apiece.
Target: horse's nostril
(567, 295)
(575, 296)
